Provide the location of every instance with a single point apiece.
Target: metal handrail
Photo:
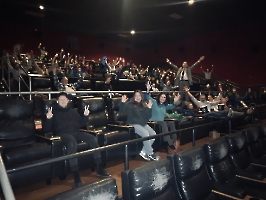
(5, 183)
(108, 147)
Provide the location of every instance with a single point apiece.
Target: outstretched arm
(197, 63)
(172, 64)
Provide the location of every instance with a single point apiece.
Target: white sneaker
(144, 156)
(154, 157)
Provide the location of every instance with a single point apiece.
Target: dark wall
(237, 53)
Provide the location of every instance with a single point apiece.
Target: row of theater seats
(230, 167)
(22, 144)
(45, 83)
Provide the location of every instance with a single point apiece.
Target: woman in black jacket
(138, 114)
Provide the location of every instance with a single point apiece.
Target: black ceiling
(149, 18)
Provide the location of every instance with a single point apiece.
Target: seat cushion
(24, 154)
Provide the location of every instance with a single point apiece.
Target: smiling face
(184, 64)
(63, 101)
(202, 98)
(137, 97)
(162, 98)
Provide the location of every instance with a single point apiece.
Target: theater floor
(41, 191)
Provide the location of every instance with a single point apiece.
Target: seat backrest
(86, 84)
(16, 118)
(98, 85)
(262, 130)
(104, 189)
(252, 145)
(43, 83)
(190, 173)
(237, 151)
(97, 106)
(154, 180)
(218, 162)
(117, 116)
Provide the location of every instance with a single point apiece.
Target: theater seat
(252, 143)
(192, 178)
(112, 133)
(240, 157)
(236, 182)
(105, 189)
(262, 137)
(20, 144)
(153, 181)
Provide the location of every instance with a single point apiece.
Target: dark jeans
(184, 95)
(218, 114)
(70, 140)
(166, 125)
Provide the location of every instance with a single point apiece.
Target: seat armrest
(229, 190)
(224, 196)
(119, 127)
(253, 175)
(42, 138)
(93, 132)
(170, 119)
(250, 182)
(117, 122)
(99, 135)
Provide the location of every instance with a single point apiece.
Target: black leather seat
(153, 181)
(191, 175)
(252, 143)
(237, 182)
(20, 143)
(105, 189)
(240, 157)
(262, 138)
(112, 133)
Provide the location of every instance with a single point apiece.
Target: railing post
(126, 164)
(19, 79)
(49, 96)
(229, 128)
(6, 187)
(193, 137)
(30, 86)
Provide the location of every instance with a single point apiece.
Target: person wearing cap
(65, 122)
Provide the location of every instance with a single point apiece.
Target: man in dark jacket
(65, 122)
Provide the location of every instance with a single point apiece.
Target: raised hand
(86, 110)
(177, 97)
(186, 88)
(167, 60)
(201, 58)
(49, 114)
(148, 86)
(149, 104)
(124, 98)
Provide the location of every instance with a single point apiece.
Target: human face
(184, 64)
(190, 106)
(162, 98)
(63, 101)
(202, 98)
(137, 97)
(210, 98)
(64, 81)
(224, 100)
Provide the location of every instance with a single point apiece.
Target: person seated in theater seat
(138, 114)
(65, 122)
(203, 102)
(188, 110)
(107, 83)
(64, 85)
(159, 108)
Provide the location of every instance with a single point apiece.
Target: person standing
(184, 75)
(207, 75)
